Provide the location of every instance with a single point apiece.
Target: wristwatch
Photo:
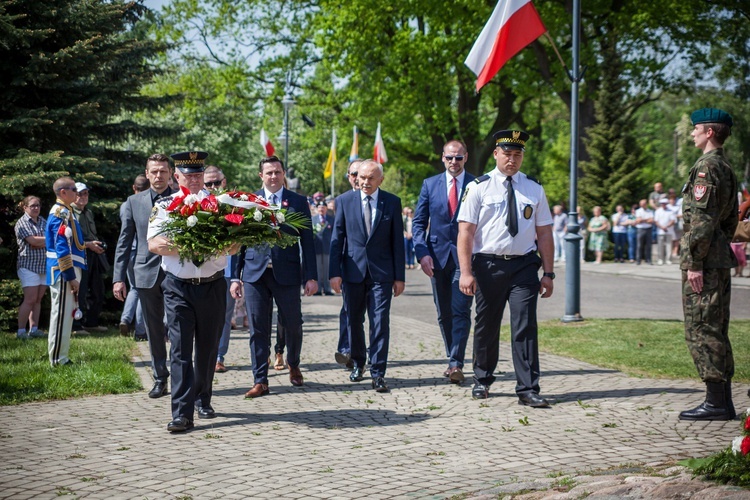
(549, 275)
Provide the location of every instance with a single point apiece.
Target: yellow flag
(328, 172)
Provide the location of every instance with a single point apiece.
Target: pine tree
(612, 175)
(70, 71)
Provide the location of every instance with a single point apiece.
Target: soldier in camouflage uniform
(710, 218)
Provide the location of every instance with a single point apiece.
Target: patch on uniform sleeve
(466, 193)
(699, 191)
(533, 179)
(154, 211)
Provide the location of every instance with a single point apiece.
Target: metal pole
(572, 238)
(288, 101)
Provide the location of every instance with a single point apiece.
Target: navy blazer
(432, 212)
(288, 269)
(323, 237)
(353, 254)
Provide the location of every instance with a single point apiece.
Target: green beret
(711, 115)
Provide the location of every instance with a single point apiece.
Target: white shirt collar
(374, 196)
(279, 194)
(459, 178)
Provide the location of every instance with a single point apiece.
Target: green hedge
(11, 296)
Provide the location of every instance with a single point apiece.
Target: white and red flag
(378, 151)
(514, 24)
(266, 143)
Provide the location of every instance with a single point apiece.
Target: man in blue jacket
(367, 254)
(270, 273)
(436, 252)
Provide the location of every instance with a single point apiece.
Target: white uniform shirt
(664, 216)
(171, 263)
(486, 205)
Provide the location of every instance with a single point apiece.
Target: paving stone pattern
(335, 439)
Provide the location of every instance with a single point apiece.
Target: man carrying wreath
(195, 295)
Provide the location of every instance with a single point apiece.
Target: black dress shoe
(159, 390)
(180, 424)
(342, 358)
(480, 391)
(532, 399)
(379, 384)
(206, 412)
(356, 374)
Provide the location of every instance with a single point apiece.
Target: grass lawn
(101, 365)
(644, 348)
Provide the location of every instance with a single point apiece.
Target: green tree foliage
(611, 175)
(70, 71)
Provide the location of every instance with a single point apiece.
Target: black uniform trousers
(516, 282)
(152, 304)
(194, 313)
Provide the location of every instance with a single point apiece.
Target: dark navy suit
(368, 266)
(453, 307)
(280, 281)
(322, 250)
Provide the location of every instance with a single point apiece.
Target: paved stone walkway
(335, 439)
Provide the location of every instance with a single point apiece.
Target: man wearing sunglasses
(66, 259)
(435, 230)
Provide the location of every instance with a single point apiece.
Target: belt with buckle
(492, 256)
(198, 281)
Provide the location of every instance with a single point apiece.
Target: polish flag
(378, 152)
(266, 143)
(514, 24)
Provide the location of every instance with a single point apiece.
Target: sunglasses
(353, 174)
(457, 157)
(213, 184)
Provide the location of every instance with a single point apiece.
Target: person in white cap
(664, 219)
(91, 293)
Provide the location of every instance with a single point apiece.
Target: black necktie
(512, 219)
(368, 215)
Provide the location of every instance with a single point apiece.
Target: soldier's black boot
(728, 399)
(713, 408)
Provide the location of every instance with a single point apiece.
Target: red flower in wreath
(235, 219)
(209, 204)
(178, 199)
(745, 446)
(747, 424)
(188, 210)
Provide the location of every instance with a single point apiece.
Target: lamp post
(288, 102)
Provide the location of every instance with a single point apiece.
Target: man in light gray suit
(147, 269)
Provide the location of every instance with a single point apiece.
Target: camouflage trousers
(707, 325)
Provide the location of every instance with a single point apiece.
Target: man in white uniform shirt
(504, 221)
(194, 300)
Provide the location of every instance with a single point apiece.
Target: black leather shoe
(356, 374)
(532, 399)
(206, 412)
(343, 358)
(706, 411)
(159, 390)
(480, 391)
(379, 384)
(180, 424)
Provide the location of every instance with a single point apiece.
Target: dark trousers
(343, 344)
(195, 313)
(643, 251)
(152, 304)
(280, 345)
(453, 311)
(516, 282)
(621, 240)
(259, 297)
(373, 297)
(91, 290)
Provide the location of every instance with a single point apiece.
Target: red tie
(453, 198)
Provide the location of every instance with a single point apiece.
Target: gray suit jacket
(135, 213)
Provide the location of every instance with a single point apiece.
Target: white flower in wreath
(258, 216)
(192, 220)
(737, 445)
(190, 199)
(244, 197)
(280, 217)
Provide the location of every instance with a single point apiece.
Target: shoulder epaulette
(61, 212)
(482, 178)
(533, 179)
